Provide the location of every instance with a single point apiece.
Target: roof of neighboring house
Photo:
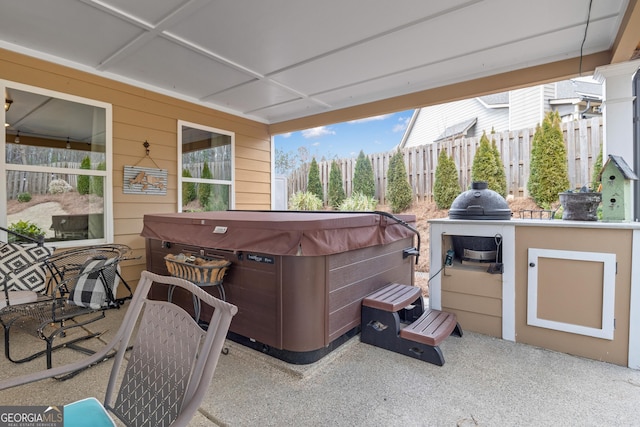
(496, 99)
(459, 129)
(568, 89)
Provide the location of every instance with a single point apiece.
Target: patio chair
(59, 293)
(170, 366)
(24, 255)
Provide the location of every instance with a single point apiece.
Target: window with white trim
(56, 165)
(205, 159)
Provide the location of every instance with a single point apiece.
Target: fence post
(582, 140)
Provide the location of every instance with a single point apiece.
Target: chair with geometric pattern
(169, 367)
(49, 295)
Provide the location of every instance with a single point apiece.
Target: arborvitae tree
(549, 171)
(84, 181)
(336, 191)
(314, 186)
(390, 176)
(363, 180)
(597, 168)
(486, 168)
(446, 186)
(97, 182)
(189, 193)
(501, 176)
(204, 190)
(399, 191)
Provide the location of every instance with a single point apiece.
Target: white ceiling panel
(142, 11)
(287, 110)
(387, 55)
(279, 60)
(65, 28)
(252, 96)
(267, 36)
(182, 70)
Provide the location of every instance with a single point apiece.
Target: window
(57, 165)
(205, 157)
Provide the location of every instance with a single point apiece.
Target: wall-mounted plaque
(139, 180)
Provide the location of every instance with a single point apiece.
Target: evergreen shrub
(204, 190)
(314, 186)
(446, 186)
(189, 193)
(336, 190)
(549, 174)
(97, 182)
(399, 192)
(597, 168)
(363, 179)
(487, 166)
(84, 181)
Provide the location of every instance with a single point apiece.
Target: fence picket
(582, 140)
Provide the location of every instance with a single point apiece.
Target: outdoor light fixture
(68, 143)
(7, 104)
(17, 140)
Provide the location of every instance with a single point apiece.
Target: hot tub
(298, 278)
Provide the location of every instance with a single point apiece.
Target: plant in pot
(25, 232)
(580, 205)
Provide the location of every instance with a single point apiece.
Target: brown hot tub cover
(277, 233)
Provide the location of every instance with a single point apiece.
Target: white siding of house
(549, 93)
(432, 121)
(526, 107)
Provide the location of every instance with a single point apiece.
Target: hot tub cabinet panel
(292, 306)
(355, 274)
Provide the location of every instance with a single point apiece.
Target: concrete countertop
(541, 223)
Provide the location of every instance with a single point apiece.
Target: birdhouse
(616, 177)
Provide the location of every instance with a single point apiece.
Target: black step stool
(394, 318)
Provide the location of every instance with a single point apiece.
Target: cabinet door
(572, 291)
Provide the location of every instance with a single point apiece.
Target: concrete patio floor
(485, 381)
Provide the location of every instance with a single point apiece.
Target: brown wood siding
(141, 115)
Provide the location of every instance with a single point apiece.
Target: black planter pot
(580, 206)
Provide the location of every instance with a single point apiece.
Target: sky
(344, 140)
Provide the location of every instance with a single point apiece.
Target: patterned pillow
(26, 258)
(89, 290)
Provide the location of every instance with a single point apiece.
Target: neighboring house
(512, 110)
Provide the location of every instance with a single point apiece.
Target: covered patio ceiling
(300, 64)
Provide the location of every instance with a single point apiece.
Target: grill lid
(479, 203)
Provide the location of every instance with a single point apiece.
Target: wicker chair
(150, 390)
(60, 292)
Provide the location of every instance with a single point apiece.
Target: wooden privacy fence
(582, 139)
(38, 182)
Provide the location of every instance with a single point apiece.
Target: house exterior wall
(549, 92)
(139, 115)
(527, 108)
(432, 121)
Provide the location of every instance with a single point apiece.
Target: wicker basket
(197, 270)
